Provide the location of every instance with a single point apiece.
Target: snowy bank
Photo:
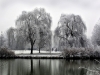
(34, 51)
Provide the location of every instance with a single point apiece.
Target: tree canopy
(32, 24)
(96, 35)
(71, 31)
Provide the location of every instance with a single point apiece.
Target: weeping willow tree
(71, 31)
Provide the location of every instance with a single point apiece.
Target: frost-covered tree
(20, 41)
(45, 37)
(45, 40)
(57, 37)
(32, 24)
(26, 27)
(44, 24)
(11, 38)
(15, 40)
(96, 35)
(2, 40)
(71, 31)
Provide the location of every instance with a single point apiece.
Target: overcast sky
(89, 10)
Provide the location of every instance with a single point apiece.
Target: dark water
(46, 67)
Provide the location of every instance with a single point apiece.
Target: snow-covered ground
(34, 51)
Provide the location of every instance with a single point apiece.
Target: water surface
(46, 67)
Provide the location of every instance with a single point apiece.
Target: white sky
(89, 10)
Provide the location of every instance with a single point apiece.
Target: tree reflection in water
(31, 67)
(45, 67)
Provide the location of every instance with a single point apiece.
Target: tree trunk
(31, 48)
(31, 67)
(32, 43)
(39, 49)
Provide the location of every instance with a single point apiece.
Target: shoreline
(49, 57)
(46, 55)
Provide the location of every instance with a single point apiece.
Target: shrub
(4, 52)
(96, 53)
(80, 52)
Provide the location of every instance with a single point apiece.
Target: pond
(47, 67)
